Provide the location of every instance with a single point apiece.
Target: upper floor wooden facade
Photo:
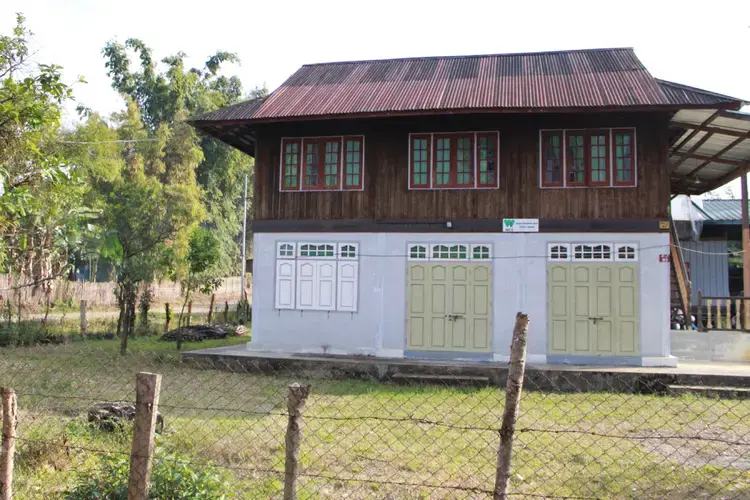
(384, 192)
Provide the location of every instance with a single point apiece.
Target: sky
(706, 45)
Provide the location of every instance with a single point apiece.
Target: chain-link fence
(224, 427)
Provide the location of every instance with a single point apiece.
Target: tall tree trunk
(121, 303)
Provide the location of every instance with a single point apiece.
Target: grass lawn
(363, 438)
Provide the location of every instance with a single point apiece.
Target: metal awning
(709, 149)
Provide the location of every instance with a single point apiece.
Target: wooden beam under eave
(684, 156)
(714, 159)
(704, 128)
(720, 153)
(696, 129)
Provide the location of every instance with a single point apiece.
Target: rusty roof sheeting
(596, 78)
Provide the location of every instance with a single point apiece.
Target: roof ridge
(470, 56)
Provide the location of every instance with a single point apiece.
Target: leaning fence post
(147, 388)
(84, 321)
(513, 390)
(10, 417)
(295, 404)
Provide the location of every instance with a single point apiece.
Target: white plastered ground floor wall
(519, 284)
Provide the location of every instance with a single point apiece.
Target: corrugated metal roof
(596, 78)
(722, 210)
(678, 93)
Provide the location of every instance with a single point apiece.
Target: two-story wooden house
(410, 207)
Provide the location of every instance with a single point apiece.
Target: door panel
(593, 309)
(449, 307)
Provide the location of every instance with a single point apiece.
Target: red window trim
(587, 171)
(634, 154)
(611, 170)
(284, 143)
(495, 137)
(543, 166)
(361, 140)
(340, 174)
(320, 186)
(608, 160)
(453, 166)
(428, 138)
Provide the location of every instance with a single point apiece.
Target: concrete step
(708, 391)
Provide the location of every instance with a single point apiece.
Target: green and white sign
(520, 225)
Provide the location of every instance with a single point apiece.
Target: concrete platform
(539, 376)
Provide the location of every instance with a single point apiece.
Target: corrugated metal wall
(709, 267)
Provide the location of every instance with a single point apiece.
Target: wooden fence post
(295, 404)
(84, 321)
(147, 388)
(700, 326)
(10, 418)
(513, 390)
(211, 308)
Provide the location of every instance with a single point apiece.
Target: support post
(147, 388)
(699, 322)
(10, 418)
(295, 405)
(513, 390)
(84, 321)
(243, 264)
(745, 239)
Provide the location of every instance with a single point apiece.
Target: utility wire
(108, 142)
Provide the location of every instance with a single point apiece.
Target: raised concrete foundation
(714, 345)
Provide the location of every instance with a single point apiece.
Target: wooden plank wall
(386, 195)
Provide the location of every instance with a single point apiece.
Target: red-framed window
(454, 160)
(623, 157)
(590, 157)
(291, 150)
(354, 154)
(322, 163)
(552, 159)
(488, 147)
(419, 161)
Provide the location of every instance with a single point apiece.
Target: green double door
(449, 306)
(593, 309)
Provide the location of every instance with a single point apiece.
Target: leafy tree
(37, 186)
(202, 260)
(150, 205)
(164, 96)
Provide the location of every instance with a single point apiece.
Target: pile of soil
(195, 333)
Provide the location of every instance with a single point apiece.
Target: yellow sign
(663, 224)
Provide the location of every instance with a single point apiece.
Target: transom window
(559, 252)
(348, 251)
(579, 158)
(455, 160)
(592, 252)
(313, 250)
(449, 251)
(418, 252)
(322, 163)
(480, 252)
(285, 250)
(626, 252)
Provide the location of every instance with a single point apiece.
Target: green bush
(173, 477)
